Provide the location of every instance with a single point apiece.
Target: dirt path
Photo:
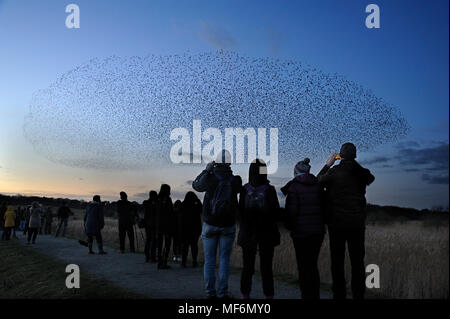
(131, 272)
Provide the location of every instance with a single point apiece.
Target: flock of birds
(118, 112)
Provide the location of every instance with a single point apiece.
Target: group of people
(333, 200)
(32, 220)
(166, 224)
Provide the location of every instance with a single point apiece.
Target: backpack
(255, 197)
(222, 203)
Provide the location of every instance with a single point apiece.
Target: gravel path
(131, 272)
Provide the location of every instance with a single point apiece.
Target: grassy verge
(26, 273)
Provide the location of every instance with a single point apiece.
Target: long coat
(94, 219)
(35, 218)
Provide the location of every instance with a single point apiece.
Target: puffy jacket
(94, 220)
(304, 210)
(345, 186)
(10, 217)
(259, 226)
(35, 218)
(207, 182)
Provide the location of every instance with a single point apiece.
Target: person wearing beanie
(220, 206)
(345, 186)
(258, 232)
(304, 220)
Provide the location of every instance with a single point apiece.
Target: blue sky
(405, 62)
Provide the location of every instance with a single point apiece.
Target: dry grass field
(413, 256)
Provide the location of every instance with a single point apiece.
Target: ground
(130, 272)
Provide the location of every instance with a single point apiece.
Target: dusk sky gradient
(405, 62)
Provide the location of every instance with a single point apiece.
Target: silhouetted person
(127, 218)
(48, 221)
(150, 212)
(27, 214)
(191, 227)
(63, 218)
(164, 218)
(304, 219)
(9, 219)
(93, 224)
(3, 209)
(35, 222)
(176, 231)
(258, 232)
(345, 186)
(220, 206)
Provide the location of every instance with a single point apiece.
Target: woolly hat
(302, 166)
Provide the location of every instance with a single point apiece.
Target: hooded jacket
(207, 182)
(258, 226)
(10, 217)
(165, 215)
(345, 186)
(191, 222)
(35, 217)
(94, 218)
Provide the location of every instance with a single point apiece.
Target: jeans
(307, 251)
(249, 258)
(355, 241)
(125, 230)
(223, 238)
(62, 222)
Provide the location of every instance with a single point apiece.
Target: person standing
(191, 227)
(48, 221)
(164, 228)
(304, 219)
(63, 218)
(150, 211)
(27, 214)
(127, 218)
(258, 232)
(175, 225)
(35, 222)
(345, 186)
(9, 219)
(220, 206)
(93, 224)
(3, 209)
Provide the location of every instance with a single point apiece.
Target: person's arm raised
(200, 184)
